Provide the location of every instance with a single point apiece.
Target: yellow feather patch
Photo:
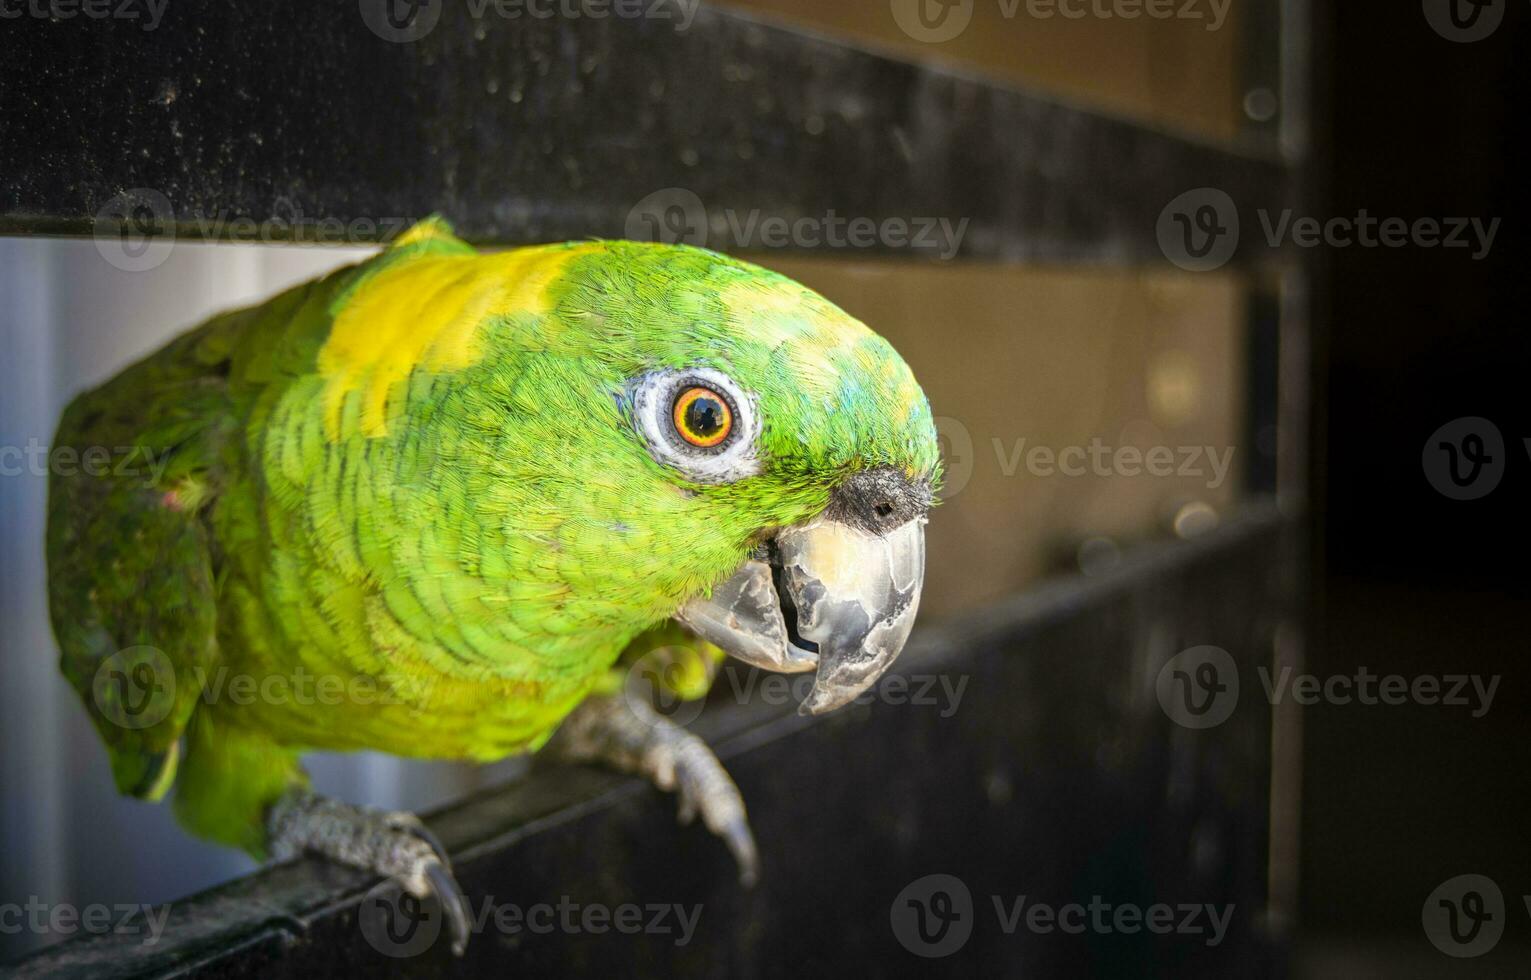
(804, 325)
(427, 313)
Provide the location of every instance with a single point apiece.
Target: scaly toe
(409, 823)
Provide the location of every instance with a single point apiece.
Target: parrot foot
(394, 844)
(631, 736)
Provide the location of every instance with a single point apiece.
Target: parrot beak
(856, 593)
(744, 618)
(838, 593)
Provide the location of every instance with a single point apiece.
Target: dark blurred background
(1397, 800)
(1380, 111)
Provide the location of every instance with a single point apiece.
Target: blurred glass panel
(1075, 407)
(1178, 66)
(69, 319)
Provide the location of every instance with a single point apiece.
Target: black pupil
(704, 417)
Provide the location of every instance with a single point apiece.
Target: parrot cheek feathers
(839, 594)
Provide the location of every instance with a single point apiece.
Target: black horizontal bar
(1055, 775)
(298, 120)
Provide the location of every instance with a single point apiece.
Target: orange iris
(702, 417)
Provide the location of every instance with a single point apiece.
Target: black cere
(879, 500)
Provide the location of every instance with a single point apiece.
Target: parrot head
(719, 444)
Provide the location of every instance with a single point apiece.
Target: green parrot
(433, 503)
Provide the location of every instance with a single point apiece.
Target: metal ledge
(1057, 776)
(523, 130)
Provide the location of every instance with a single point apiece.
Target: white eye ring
(653, 398)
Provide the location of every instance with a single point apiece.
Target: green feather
(417, 484)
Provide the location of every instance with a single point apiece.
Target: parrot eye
(699, 422)
(702, 417)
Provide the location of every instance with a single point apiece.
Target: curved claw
(631, 736)
(741, 843)
(454, 904)
(394, 845)
(704, 787)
